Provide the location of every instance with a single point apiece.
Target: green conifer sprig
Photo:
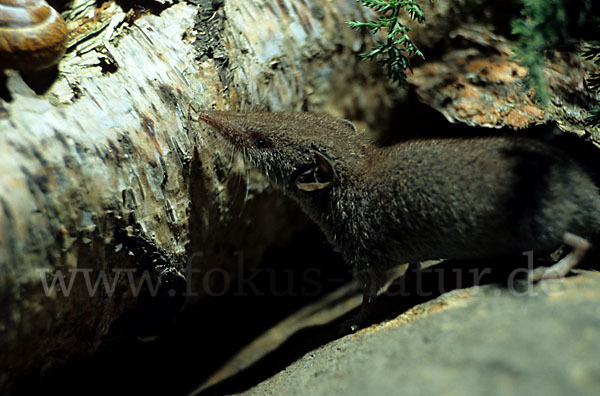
(394, 53)
(543, 25)
(547, 24)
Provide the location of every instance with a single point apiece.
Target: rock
(488, 340)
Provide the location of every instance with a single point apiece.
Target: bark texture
(107, 170)
(471, 76)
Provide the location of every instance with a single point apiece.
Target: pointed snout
(238, 128)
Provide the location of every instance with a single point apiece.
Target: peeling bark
(107, 169)
(475, 80)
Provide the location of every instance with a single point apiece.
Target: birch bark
(106, 171)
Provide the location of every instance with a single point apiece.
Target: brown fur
(420, 199)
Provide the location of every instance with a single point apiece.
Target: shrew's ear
(347, 124)
(316, 177)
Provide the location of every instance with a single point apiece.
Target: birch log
(107, 171)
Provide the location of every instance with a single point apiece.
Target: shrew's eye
(259, 140)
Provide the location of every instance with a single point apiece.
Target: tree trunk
(106, 172)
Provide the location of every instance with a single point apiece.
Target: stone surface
(485, 340)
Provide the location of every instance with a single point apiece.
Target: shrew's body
(420, 199)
